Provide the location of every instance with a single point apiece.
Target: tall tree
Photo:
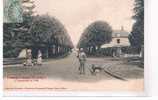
(47, 32)
(11, 43)
(95, 35)
(137, 35)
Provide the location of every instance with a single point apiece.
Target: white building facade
(119, 38)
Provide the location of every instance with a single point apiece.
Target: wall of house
(124, 41)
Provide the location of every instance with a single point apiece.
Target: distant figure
(39, 58)
(28, 58)
(82, 59)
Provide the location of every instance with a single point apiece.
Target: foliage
(46, 30)
(110, 50)
(42, 31)
(10, 40)
(137, 35)
(96, 34)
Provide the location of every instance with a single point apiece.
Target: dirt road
(64, 73)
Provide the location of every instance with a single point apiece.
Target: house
(119, 39)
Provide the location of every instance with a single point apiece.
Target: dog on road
(96, 69)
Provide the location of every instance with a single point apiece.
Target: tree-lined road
(62, 74)
(67, 69)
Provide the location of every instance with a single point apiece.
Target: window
(118, 41)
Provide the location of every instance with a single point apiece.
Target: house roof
(120, 33)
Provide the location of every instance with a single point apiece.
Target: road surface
(64, 73)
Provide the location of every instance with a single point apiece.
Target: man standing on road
(82, 60)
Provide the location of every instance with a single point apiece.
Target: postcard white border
(147, 68)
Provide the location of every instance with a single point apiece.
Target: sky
(76, 15)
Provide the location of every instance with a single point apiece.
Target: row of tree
(94, 36)
(48, 34)
(43, 33)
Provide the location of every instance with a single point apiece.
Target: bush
(106, 51)
(103, 52)
(10, 52)
(110, 50)
(130, 50)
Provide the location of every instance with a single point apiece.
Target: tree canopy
(46, 30)
(33, 31)
(137, 35)
(96, 34)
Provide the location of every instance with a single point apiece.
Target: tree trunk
(99, 46)
(56, 50)
(53, 49)
(47, 54)
(94, 49)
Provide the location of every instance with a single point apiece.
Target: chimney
(122, 28)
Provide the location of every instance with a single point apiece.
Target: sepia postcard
(73, 47)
